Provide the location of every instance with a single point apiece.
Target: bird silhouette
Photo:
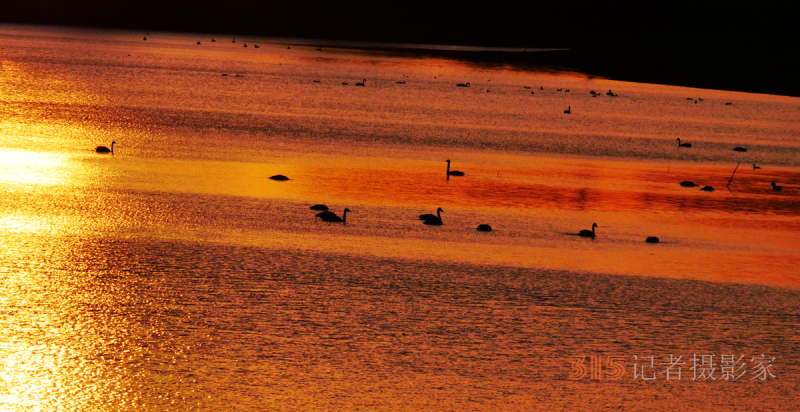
(103, 149)
(484, 228)
(280, 178)
(331, 217)
(427, 216)
(588, 233)
(776, 187)
(454, 172)
(683, 144)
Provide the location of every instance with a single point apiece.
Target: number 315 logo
(613, 369)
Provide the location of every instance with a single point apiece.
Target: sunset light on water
(174, 274)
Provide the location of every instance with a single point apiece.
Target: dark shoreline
(717, 69)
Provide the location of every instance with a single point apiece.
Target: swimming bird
(756, 167)
(234, 40)
(362, 83)
(688, 184)
(245, 45)
(198, 43)
(213, 41)
(776, 187)
(319, 207)
(435, 221)
(400, 82)
(728, 104)
(569, 110)
(288, 47)
(588, 233)
(683, 144)
(707, 189)
(256, 46)
(145, 38)
(454, 172)
(484, 228)
(427, 216)
(462, 85)
(280, 178)
(651, 239)
(739, 149)
(103, 149)
(345, 84)
(331, 217)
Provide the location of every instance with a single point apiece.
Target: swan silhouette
(776, 187)
(103, 149)
(327, 216)
(435, 221)
(683, 144)
(213, 41)
(319, 207)
(362, 83)
(454, 172)
(756, 167)
(428, 216)
(588, 233)
(484, 228)
(569, 110)
(739, 149)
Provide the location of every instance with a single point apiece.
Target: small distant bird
(484, 228)
(707, 189)
(224, 74)
(234, 40)
(103, 149)
(454, 172)
(651, 239)
(327, 216)
(776, 187)
(569, 110)
(362, 83)
(288, 47)
(739, 149)
(462, 85)
(345, 84)
(280, 178)
(526, 87)
(319, 207)
(213, 41)
(256, 46)
(400, 82)
(198, 43)
(319, 48)
(145, 38)
(756, 167)
(683, 144)
(688, 184)
(588, 233)
(728, 104)
(245, 45)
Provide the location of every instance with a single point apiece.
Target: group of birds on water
(775, 187)
(436, 220)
